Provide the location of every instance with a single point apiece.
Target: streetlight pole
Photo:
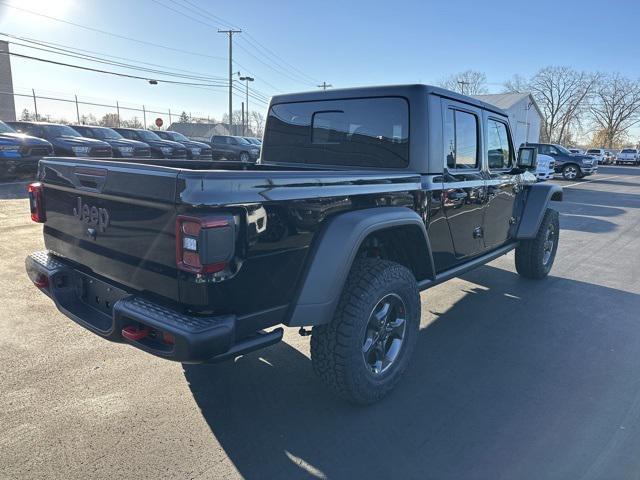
(230, 34)
(247, 80)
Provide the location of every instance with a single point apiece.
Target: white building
(7, 105)
(525, 116)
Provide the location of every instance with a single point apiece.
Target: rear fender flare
(332, 256)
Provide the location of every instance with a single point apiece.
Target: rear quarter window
(368, 132)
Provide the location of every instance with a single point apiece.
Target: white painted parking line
(589, 181)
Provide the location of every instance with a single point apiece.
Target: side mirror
(528, 158)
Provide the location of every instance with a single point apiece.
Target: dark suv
(571, 165)
(159, 148)
(195, 150)
(65, 140)
(226, 147)
(20, 154)
(122, 147)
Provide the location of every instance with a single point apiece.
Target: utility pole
(77, 110)
(325, 85)
(35, 102)
(230, 34)
(462, 83)
(247, 80)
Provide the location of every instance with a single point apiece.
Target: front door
(464, 184)
(502, 183)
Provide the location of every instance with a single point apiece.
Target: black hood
(125, 142)
(23, 140)
(69, 142)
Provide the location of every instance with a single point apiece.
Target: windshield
(106, 134)
(60, 131)
(593, 151)
(242, 141)
(4, 128)
(177, 137)
(563, 150)
(147, 135)
(628, 150)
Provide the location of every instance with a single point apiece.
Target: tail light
(36, 202)
(204, 244)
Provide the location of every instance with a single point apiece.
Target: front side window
(499, 151)
(461, 140)
(358, 132)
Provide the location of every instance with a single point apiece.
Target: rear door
(502, 182)
(464, 184)
(117, 221)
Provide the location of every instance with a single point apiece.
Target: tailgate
(118, 220)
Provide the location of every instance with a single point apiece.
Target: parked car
(122, 147)
(195, 150)
(628, 156)
(227, 147)
(571, 165)
(20, 154)
(65, 140)
(353, 210)
(600, 155)
(546, 167)
(254, 140)
(610, 157)
(160, 148)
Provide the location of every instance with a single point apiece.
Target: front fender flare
(333, 253)
(537, 201)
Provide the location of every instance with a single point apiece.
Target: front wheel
(571, 172)
(362, 353)
(244, 157)
(535, 257)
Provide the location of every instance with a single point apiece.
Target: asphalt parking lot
(511, 378)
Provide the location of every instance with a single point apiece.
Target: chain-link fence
(72, 109)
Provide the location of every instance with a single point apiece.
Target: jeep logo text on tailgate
(91, 215)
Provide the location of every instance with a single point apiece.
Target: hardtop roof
(410, 91)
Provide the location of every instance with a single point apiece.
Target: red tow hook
(133, 333)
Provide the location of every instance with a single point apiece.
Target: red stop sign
(158, 122)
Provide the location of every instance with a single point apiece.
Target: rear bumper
(106, 309)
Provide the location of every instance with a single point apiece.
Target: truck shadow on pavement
(515, 380)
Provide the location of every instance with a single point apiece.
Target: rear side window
(629, 150)
(498, 148)
(368, 132)
(461, 139)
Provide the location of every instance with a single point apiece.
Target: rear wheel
(363, 352)
(535, 257)
(571, 172)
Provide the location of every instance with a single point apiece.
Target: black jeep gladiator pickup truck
(362, 198)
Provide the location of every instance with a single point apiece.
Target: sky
(345, 43)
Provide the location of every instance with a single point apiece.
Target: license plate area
(96, 294)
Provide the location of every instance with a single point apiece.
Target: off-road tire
(336, 347)
(530, 254)
(243, 157)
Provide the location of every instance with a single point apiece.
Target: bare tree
(562, 94)
(109, 120)
(615, 108)
(517, 84)
(470, 82)
(257, 123)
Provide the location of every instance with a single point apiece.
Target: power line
(252, 41)
(279, 69)
(61, 52)
(111, 34)
(105, 57)
(118, 74)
